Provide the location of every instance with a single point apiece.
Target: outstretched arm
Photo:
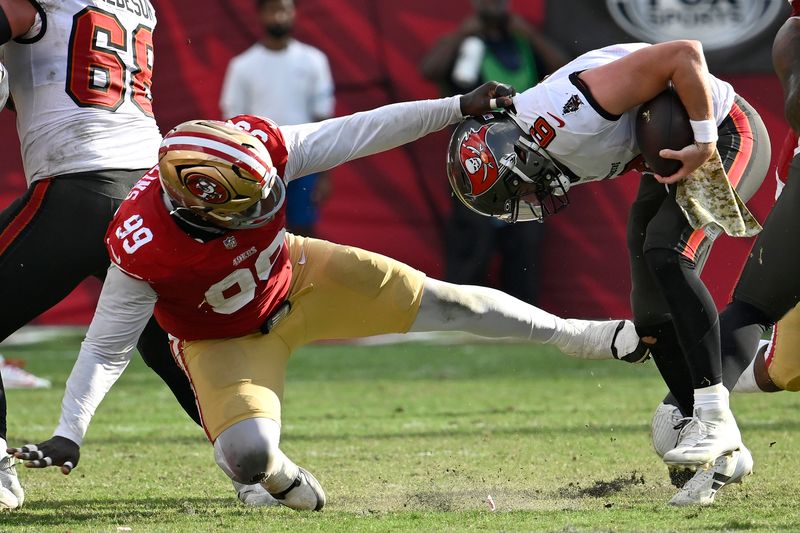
(638, 77)
(125, 306)
(323, 145)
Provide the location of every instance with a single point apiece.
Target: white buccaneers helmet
(219, 174)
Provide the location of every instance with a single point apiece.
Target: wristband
(705, 131)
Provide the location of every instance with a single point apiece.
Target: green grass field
(406, 438)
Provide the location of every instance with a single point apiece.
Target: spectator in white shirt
(289, 82)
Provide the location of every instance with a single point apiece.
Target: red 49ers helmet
(219, 174)
(497, 170)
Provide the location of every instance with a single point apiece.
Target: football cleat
(11, 494)
(664, 432)
(254, 495)
(304, 494)
(15, 377)
(701, 489)
(609, 339)
(708, 435)
(666, 427)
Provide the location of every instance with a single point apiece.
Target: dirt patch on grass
(601, 488)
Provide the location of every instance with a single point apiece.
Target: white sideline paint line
(34, 334)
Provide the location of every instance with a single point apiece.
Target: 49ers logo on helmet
(207, 189)
(478, 161)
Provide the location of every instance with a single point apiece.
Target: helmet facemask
(540, 188)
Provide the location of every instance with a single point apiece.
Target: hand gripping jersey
(567, 122)
(81, 87)
(226, 287)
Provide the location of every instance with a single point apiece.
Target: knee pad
(244, 451)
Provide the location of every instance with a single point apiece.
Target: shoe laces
(7, 464)
(693, 430)
(680, 421)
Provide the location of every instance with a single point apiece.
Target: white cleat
(665, 430)
(702, 488)
(304, 494)
(11, 494)
(710, 434)
(609, 339)
(254, 495)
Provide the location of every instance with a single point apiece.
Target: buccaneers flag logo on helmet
(478, 161)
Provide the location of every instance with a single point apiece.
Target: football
(663, 123)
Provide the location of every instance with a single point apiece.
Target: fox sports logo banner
(717, 24)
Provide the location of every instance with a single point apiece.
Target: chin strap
(191, 221)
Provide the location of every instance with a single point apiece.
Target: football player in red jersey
(201, 240)
(768, 291)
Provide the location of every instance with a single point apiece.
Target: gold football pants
(336, 292)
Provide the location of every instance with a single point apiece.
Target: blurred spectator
(289, 82)
(492, 44)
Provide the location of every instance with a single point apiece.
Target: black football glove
(490, 95)
(58, 451)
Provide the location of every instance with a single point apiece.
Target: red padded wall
(395, 203)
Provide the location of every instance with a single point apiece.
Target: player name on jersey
(137, 7)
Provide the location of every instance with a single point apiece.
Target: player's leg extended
(238, 384)
(346, 292)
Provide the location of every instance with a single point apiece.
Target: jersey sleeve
(123, 311)
(269, 133)
(320, 146)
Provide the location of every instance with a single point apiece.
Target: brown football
(663, 123)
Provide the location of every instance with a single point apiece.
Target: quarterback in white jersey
(590, 142)
(577, 126)
(80, 75)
